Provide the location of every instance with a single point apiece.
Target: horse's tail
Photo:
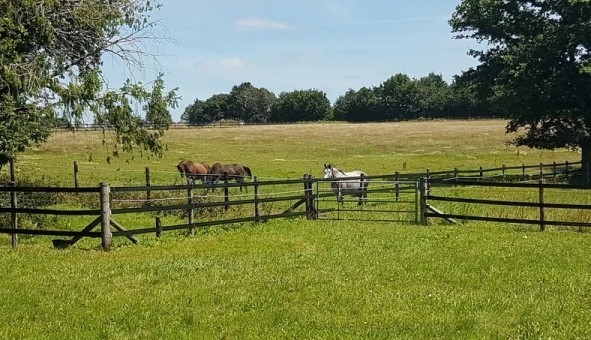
(247, 169)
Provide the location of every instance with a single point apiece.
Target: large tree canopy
(50, 58)
(301, 105)
(536, 68)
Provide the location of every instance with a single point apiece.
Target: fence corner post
(226, 192)
(541, 197)
(306, 200)
(423, 199)
(13, 204)
(257, 215)
(191, 202)
(106, 236)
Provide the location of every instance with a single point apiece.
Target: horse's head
(328, 171)
(180, 168)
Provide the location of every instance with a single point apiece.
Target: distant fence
(523, 173)
(504, 173)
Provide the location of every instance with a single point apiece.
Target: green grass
(292, 279)
(295, 278)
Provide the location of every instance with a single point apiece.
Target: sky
(287, 45)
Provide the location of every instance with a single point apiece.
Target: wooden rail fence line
(541, 204)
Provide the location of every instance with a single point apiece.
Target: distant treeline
(398, 98)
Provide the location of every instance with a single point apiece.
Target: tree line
(398, 98)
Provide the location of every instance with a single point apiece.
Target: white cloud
(254, 22)
(232, 63)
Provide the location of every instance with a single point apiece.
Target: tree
(250, 104)
(297, 106)
(206, 112)
(193, 113)
(400, 97)
(364, 105)
(537, 68)
(434, 95)
(50, 56)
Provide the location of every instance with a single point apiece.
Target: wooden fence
(105, 213)
(555, 171)
(503, 173)
(539, 203)
(305, 196)
(302, 202)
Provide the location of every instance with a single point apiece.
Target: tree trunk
(586, 161)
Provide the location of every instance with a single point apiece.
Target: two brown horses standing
(213, 174)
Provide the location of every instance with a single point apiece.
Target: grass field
(296, 278)
(289, 151)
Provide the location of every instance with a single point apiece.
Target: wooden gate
(388, 199)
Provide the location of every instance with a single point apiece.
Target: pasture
(289, 151)
(296, 278)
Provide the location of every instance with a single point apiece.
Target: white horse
(354, 187)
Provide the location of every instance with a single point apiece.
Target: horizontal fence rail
(305, 194)
(540, 204)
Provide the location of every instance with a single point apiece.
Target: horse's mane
(339, 170)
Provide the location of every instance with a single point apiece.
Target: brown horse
(234, 171)
(193, 170)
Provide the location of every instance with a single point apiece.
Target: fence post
(455, 174)
(306, 200)
(428, 179)
(503, 172)
(191, 212)
(397, 185)
(105, 217)
(541, 170)
(257, 215)
(76, 174)
(158, 227)
(566, 169)
(423, 200)
(541, 192)
(481, 173)
(148, 192)
(313, 211)
(226, 192)
(13, 204)
(554, 169)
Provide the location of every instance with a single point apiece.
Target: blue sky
(286, 45)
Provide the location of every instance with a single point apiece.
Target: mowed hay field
(296, 278)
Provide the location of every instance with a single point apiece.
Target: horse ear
(329, 166)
